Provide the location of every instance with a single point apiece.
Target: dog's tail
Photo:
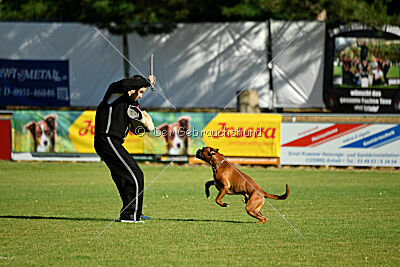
(282, 197)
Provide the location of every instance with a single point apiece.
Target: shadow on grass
(54, 218)
(199, 220)
(108, 220)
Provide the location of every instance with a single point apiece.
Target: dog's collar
(215, 167)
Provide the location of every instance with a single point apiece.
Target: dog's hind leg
(208, 184)
(254, 206)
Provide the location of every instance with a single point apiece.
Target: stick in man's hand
(153, 79)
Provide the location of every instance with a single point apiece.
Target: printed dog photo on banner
(176, 133)
(43, 133)
(176, 136)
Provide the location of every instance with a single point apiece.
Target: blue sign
(377, 140)
(34, 82)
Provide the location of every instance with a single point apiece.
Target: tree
(371, 12)
(123, 16)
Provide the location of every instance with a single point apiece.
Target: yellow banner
(81, 133)
(251, 135)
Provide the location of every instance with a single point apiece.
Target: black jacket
(111, 115)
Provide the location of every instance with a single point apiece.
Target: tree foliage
(118, 16)
(122, 16)
(372, 13)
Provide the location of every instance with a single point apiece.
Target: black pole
(270, 68)
(269, 56)
(125, 51)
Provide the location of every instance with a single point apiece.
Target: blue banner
(377, 140)
(34, 82)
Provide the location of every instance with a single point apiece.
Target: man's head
(136, 86)
(137, 94)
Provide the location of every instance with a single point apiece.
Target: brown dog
(229, 180)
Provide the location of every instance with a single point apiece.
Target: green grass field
(51, 213)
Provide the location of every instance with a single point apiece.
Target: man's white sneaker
(132, 221)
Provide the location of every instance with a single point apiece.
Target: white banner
(197, 65)
(298, 53)
(340, 144)
(203, 64)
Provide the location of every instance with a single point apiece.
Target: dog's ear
(163, 128)
(212, 152)
(184, 122)
(51, 121)
(31, 127)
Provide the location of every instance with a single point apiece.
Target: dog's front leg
(208, 184)
(221, 194)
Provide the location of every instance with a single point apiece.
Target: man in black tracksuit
(111, 128)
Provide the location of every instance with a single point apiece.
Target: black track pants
(126, 173)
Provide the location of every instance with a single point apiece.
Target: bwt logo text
(30, 74)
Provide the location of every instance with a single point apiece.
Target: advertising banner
(177, 133)
(245, 135)
(248, 135)
(251, 135)
(362, 72)
(81, 134)
(340, 144)
(34, 82)
(59, 132)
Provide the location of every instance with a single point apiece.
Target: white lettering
(377, 139)
(315, 138)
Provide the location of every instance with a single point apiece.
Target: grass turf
(51, 213)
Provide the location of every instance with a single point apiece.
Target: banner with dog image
(177, 133)
(73, 132)
(42, 131)
(248, 135)
(60, 132)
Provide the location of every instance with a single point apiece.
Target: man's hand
(152, 79)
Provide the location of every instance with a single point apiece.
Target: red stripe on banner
(339, 135)
(325, 135)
